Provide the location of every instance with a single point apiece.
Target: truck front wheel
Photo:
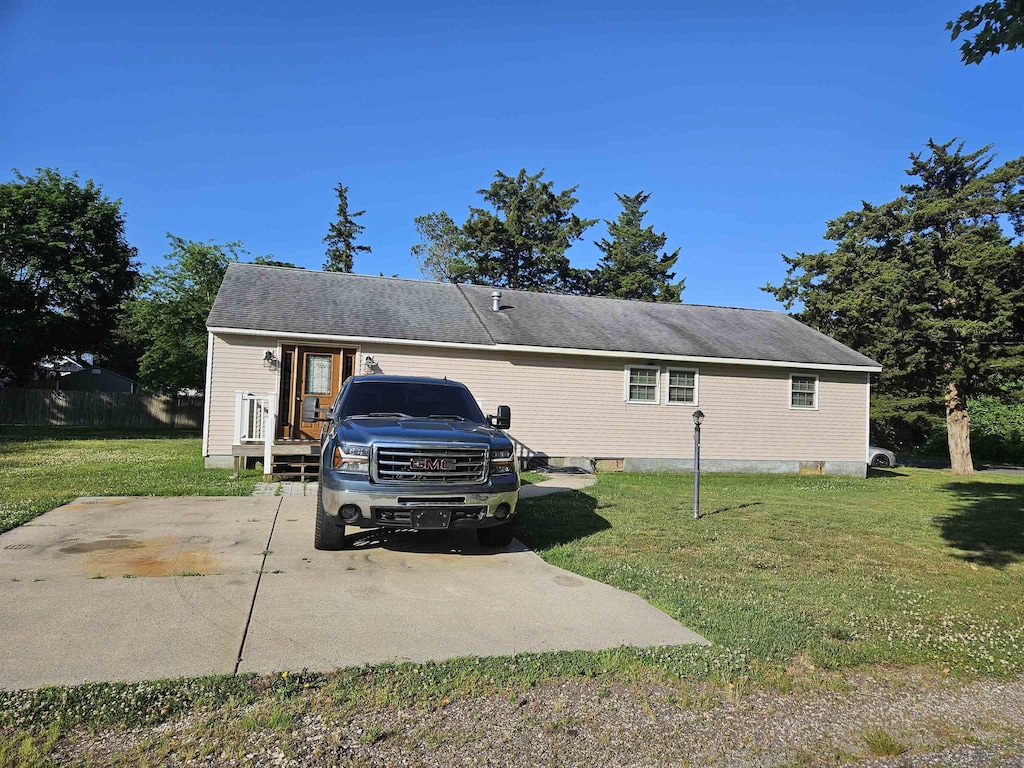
(498, 535)
(328, 535)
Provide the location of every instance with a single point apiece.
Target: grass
(43, 468)
(529, 478)
(882, 744)
(794, 579)
(908, 567)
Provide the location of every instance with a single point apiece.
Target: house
(96, 379)
(606, 379)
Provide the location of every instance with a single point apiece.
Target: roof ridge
(345, 274)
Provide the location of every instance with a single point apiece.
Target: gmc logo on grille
(444, 465)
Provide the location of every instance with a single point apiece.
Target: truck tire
(497, 536)
(327, 535)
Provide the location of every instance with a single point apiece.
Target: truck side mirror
(504, 418)
(310, 408)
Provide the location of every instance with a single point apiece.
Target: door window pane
(318, 374)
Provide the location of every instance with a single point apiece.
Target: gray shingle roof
(333, 303)
(274, 299)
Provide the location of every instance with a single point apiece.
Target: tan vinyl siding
(576, 406)
(237, 366)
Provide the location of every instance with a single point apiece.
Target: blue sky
(750, 123)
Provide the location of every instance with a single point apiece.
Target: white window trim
(657, 384)
(789, 394)
(668, 385)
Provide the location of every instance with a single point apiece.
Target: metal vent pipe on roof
(496, 301)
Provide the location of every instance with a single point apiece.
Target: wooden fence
(38, 407)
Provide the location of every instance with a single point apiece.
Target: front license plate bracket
(431, 518)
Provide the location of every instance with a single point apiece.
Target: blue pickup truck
(417, 453)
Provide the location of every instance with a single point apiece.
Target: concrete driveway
(146, 588)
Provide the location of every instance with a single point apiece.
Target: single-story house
(97, 379)
(607, 379)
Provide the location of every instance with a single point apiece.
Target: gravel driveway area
(940, 722)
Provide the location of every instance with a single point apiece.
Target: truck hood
(413, 430)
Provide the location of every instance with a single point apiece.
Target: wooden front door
(318, 371)
(319, 374)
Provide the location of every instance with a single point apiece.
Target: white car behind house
(879, 457)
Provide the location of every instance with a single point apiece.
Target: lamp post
(698, 417)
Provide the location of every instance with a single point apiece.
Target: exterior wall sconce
(270, 360)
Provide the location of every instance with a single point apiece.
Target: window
(642, 384)
(318, 374)
(803, 392)
(682, 386)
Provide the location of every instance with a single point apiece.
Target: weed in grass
(350, 567)
(128, 576)
(882, 744)
(188, 573)
(252, 520)
(279, 719)
(97, 576)
(292, 519)
(266, 552)
(29, 749)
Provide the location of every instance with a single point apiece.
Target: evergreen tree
(930, 284)
(341, 237)
(521, 243)
(631, 267)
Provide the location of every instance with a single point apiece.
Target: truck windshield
(416, 400)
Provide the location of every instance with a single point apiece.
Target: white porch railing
(251, 414)
(255, 422)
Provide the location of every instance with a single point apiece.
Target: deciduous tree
(167, 320)
(1002, 29)
(521, 242)
(632, 267)
(65, 268)
(930, 284)
(441, 252)
(341, 236)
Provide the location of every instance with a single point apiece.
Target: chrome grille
(397, 464)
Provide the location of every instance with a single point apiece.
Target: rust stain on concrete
(161, 556)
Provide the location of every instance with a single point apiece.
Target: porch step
(298, 466)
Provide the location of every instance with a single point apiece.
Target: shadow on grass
(549, 521)
(987, 522)
(874, 472)
(733, 508)
(21, 434)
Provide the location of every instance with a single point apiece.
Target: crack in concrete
(256, 591)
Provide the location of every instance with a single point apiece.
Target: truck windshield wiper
(452, 416)
(380, 415)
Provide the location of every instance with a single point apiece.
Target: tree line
(520, 238)
(71, 283)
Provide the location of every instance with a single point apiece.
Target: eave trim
(547, 350)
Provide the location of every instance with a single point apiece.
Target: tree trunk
(958, 431)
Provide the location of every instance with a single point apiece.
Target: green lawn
(910, 566)
(791, 578)
(42, 468)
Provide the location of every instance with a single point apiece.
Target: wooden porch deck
(289, 458)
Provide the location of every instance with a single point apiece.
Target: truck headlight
(352, 458)
(502, 461)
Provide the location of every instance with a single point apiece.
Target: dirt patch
(112, 557)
